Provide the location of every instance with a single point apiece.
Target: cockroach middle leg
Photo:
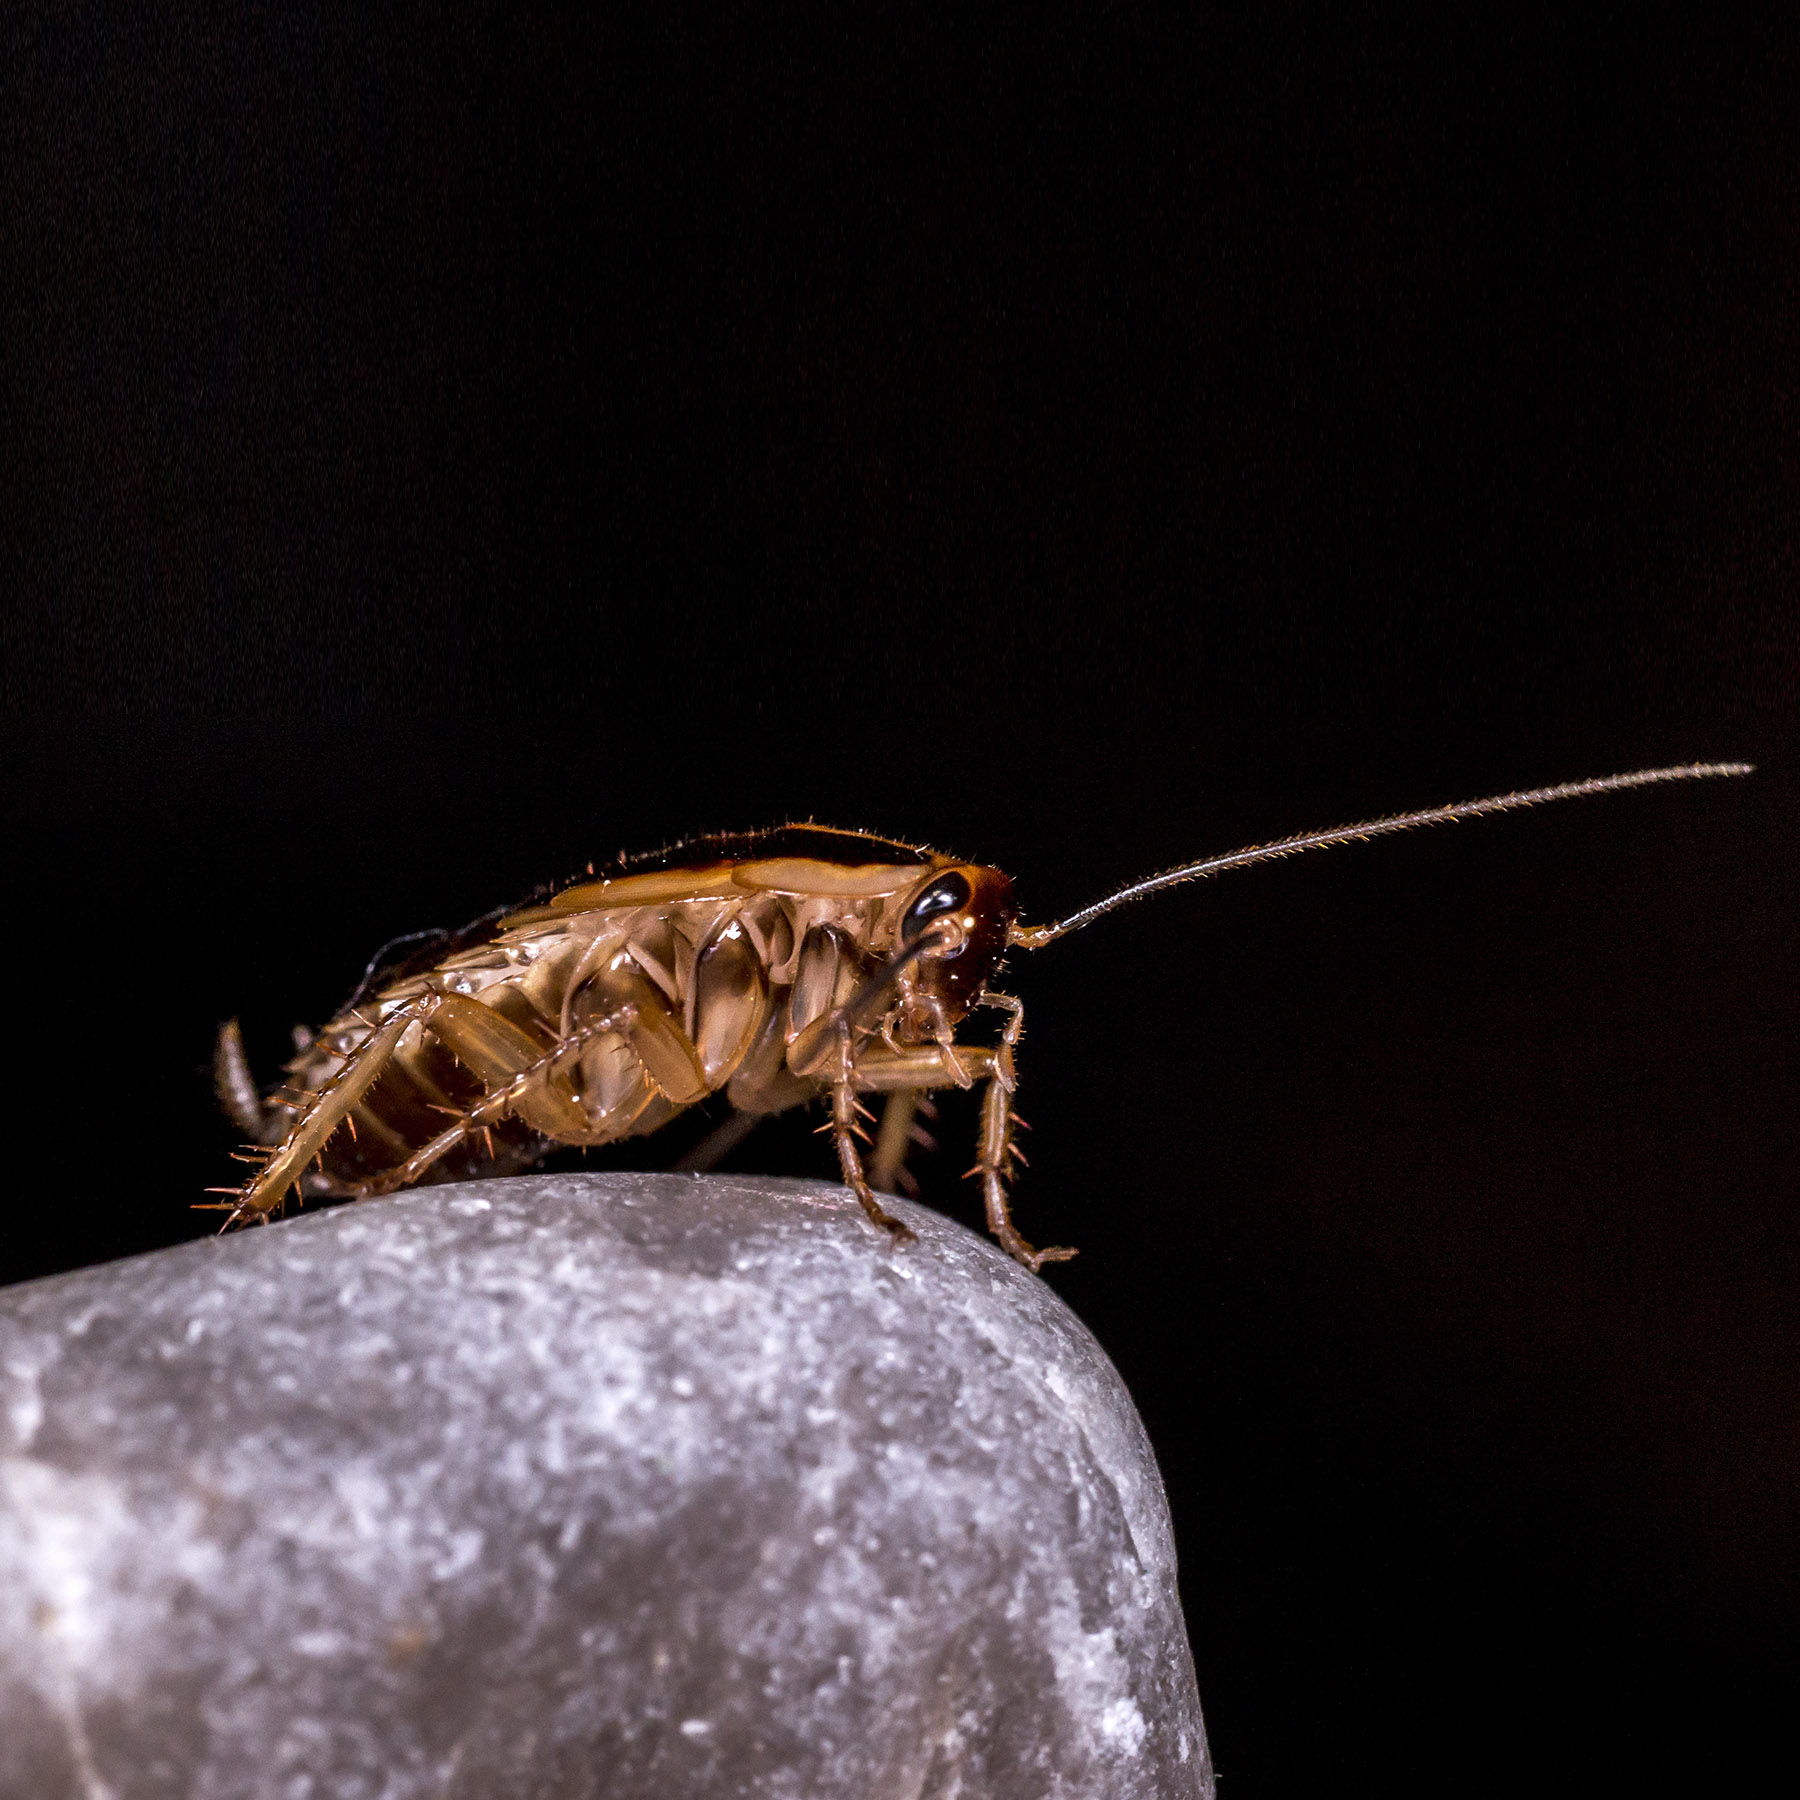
(997, 1150)
(887, 1167)
(900, 1131)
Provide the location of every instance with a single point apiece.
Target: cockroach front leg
(846, 1116)
(917, 1068)
(998, 1152)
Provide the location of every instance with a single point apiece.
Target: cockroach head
(963, 915)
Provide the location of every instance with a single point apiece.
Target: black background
(443, 450)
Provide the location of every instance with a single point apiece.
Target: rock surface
(580, 1486)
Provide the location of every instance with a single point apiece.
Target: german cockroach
(777, 968)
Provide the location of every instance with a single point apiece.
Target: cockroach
(775, 967)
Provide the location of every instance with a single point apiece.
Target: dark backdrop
(438, 452)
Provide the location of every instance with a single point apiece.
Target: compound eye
(945, 895)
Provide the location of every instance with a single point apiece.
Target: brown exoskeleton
(777, 968)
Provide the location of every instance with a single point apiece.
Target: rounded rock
(581, 1485)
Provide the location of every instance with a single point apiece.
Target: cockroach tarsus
(777, 968)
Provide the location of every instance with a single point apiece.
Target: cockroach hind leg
(267, 1192)
(237, 1208)
(498, 1102)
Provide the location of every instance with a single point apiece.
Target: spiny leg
(880, 1070)
(997, 1149)
(487, 1112)
(845, 1129)
(266, 1191)
(945, 1039)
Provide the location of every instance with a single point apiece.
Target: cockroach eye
(947, 894)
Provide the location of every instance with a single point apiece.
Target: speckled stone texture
(580, 1486)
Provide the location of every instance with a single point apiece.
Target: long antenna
(1035, 937)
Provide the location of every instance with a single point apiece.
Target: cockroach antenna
(1035, 937)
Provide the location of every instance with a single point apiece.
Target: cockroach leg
(498, 1103)
(844, 1111)
(917, 1069)
(1009, 1038)
(945, 1038)
(267, 1190)
(996, 1155)
(997, 1151)
(887, 1166)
